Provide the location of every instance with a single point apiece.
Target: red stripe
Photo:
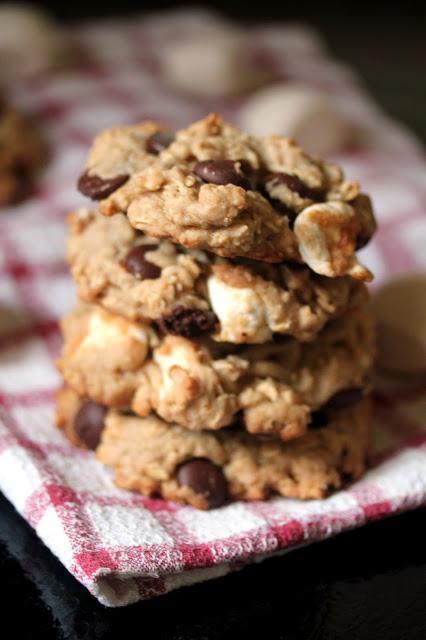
(24, 270)
(10, 400)
(44, 328)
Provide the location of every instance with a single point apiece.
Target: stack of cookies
(221, 347)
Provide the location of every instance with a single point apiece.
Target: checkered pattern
(125, 547)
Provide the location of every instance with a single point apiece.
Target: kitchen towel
(124, 547)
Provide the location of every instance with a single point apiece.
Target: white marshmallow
(240, 312)
(176, 24)
(104, 331)
(305, 114)
(292, 39)
(28, 40)
(209, 64)
(323, 232)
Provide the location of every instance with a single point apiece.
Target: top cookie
(216, 188)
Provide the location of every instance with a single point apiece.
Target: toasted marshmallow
(327, 234)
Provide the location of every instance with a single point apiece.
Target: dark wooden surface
(369, 583)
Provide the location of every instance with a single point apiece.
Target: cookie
(103, 354)
(192, 293)
(81, 420)
(207, 469)
(216, 188)
(21, 155)
(273, 388)
(118, 153)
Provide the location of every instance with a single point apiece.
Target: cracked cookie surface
(274, 388)
(218, 189)
(207, 469)
(194, 292)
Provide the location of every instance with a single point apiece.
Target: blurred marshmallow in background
(289, 39)
(211, 67)
(174, 25)
(29, 41)
(303, 113)
(211, 59)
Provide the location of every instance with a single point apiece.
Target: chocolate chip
(294, 183)
(362, 240)
(159, 141)
(236, 172)
(187, 322)
(136, 263)
(266, 437)
(89, 423)
(282, 208)
(319, 419)
(344, 398)
(97, 188)
(206, 479)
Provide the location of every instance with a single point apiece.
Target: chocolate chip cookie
(207, 470)
(273, 388)
(216, 188)
(194, 293)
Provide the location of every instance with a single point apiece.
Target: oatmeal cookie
(207, 469)
(191, 293)
(273, 388)
(117, 154)
(22, 154)
(218, 189)
(103, 354)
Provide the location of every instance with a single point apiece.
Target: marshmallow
(209, 64)
(326, 233)
(240, 311)
(305, 114)
(28, 40)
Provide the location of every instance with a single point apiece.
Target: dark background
(365, 584)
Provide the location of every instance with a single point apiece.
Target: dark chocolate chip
(187, 322)
(362, 240)
(344, 398)
(159, 141)
(294, 183)
(22, 174)
(236, 172)
(89, 423)
(282, 208)
(319, 419)
(136, 263)
(97, 188)
(206, 479)
(266, 437)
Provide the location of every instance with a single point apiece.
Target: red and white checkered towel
(121, 546)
